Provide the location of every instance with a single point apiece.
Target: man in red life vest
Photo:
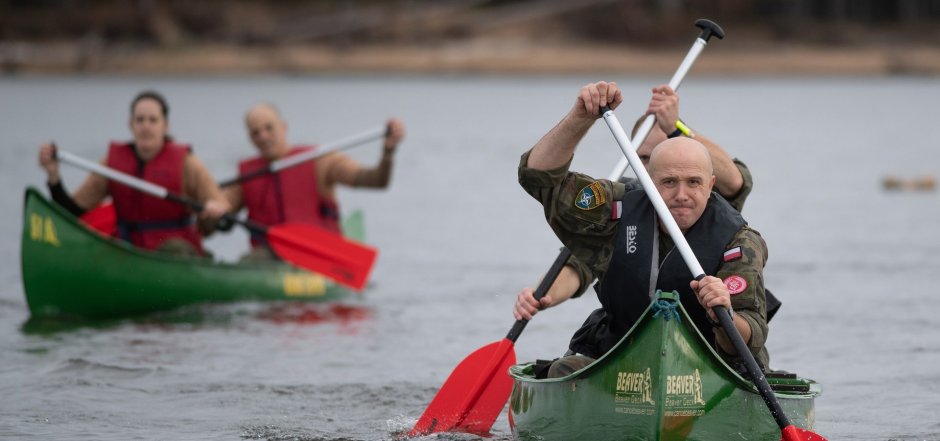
(304, 193)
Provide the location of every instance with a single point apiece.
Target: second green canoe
(71, 271)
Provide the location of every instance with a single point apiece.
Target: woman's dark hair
(153, 95)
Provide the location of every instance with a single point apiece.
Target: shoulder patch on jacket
(735, 284)
(616, 210)
(591, 197)
(732, 254)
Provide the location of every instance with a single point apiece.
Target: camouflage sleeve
(578, 209)
(738, 200)
(743, 274)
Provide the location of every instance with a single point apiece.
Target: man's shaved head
(682, 171)
(267, 130)
(682, 149)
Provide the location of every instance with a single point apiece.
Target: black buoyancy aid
(625, 290)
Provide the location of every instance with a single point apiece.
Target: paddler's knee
(568, 365)
(258, 254)
(181, 247)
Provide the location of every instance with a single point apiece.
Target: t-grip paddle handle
(542, 289)
(709, 29)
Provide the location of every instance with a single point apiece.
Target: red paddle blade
(793, 433)
(316, 249)
(473, 395)
(102, 218)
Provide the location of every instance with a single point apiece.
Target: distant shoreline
(481, 56)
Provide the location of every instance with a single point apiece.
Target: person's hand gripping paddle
(316, 249)
(478, 388)
(789, 432)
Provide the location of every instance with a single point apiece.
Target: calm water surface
(855, 266)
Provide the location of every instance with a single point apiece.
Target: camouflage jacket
(589, 234)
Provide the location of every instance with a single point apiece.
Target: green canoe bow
(661, 382)
(70, 271)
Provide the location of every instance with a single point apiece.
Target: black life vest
(626, 289)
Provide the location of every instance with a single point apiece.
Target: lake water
(856, 266)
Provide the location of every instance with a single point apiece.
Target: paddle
(478, 388)
(290, 161)
(709, 29)
(476, 391)
(315, 249)
(788, 430)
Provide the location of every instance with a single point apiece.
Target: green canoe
(661, 382)
(72, 271)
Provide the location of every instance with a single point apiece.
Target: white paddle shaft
(114, 175)
(647, 125)
(630, 158)
(337, 145)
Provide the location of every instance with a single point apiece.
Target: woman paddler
(144, 220)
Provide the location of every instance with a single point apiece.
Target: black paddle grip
(709, 29)
(542, 289)
(180, 199)
(225, 222)
(756, 374)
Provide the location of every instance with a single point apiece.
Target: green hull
(661, 382)
(70, 271)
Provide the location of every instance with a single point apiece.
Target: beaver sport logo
(591, 197)
(735, 284)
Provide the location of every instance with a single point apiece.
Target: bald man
(590, 216)
(305, 193)
(733, 178)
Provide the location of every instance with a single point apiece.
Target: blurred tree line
(430, 22)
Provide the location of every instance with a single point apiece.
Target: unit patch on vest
(732, 254)
(591, 197)
(735, 284)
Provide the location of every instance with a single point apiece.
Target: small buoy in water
(923, 183)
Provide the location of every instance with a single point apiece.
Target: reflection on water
(313, 314)
(204, 316)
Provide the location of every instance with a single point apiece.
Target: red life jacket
(290, 195)
(144, 220)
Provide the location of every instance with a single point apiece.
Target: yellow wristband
(684, 129)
